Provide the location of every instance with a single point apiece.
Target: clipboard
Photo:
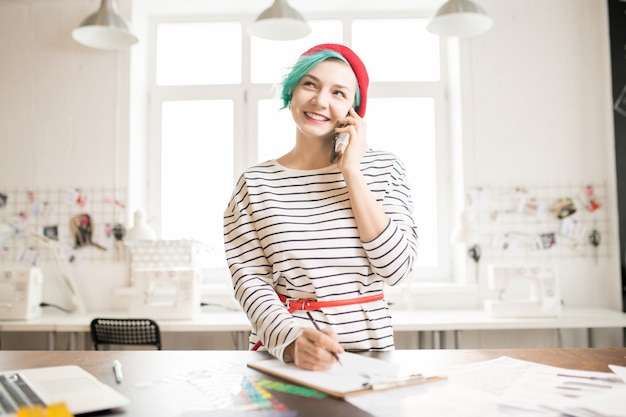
(359, 375)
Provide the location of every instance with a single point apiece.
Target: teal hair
(302, 67)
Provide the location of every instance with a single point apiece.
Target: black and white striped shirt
(293, 232)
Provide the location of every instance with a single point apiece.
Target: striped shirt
(293, 232)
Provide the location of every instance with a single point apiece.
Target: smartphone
(338, 140)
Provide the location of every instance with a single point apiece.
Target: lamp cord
(203, 304)
(65, 310)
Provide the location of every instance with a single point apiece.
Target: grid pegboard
(538, 222)
(57, 213)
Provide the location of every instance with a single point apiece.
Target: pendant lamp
(280, 22)
(460, 18)
(105, 29)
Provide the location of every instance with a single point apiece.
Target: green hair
(302, 67)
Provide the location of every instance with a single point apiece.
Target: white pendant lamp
(105, 29)
(280, 22)
(460, 18)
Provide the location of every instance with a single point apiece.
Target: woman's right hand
(312, 350)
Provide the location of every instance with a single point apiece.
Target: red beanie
(357, 65)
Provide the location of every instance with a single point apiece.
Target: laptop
(78, 389)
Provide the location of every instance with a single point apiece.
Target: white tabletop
(416, 320)
(79, 322)
(442, 320)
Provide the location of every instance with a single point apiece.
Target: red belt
(312, 305)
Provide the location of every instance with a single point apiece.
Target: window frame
(246, 94)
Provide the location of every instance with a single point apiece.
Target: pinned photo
(563, 207)
(51, 232)
(589, 199)
(504, 242)
(573, 230)
(547, 240)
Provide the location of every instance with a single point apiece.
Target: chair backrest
(118, 331)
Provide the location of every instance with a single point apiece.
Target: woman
(303, 234)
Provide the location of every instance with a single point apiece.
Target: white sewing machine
(523, 291)
(21, 289)
(164, 293)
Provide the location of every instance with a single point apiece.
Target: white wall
(64, 111)
(539, 111)
(64, 114)
(536, 102)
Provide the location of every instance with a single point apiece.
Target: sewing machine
(21, 289)
(523, 291)
(164, 293)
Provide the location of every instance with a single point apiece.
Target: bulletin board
(538, 222)
(86, 221)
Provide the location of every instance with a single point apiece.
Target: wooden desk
(146, 372)
(436, 322)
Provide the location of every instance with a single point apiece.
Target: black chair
(114, 331)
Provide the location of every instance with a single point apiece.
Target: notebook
(78, 389)
(359, 374)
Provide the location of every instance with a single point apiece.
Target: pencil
(308, 313)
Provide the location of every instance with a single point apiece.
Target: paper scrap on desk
(493, 376)
(572, 392)
(226, 391)
(608, 404)
(620, 371)
(611, 403)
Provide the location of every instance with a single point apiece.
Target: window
(214, 112)
(195, 64)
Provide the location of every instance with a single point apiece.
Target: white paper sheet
(610, 403)
(571, 392)
(620, 371)
(471, 390)
(505, 387)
